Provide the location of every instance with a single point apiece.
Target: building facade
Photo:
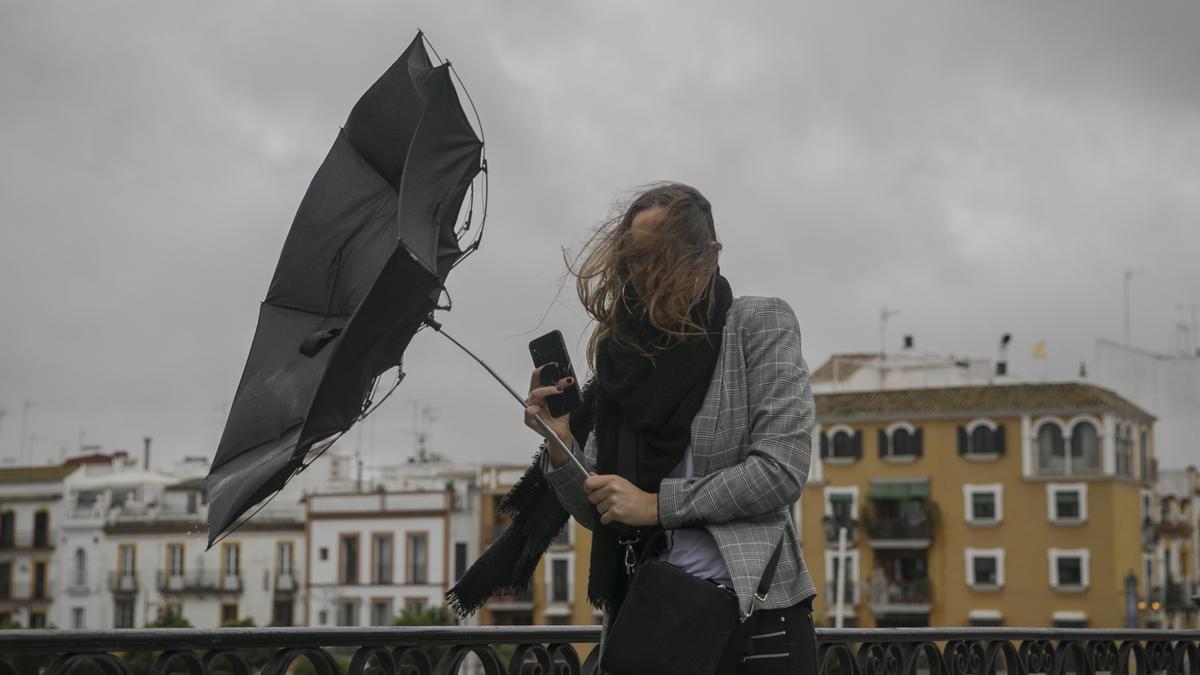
(1015, 504)
(31, 508)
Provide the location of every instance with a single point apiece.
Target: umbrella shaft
(546, 430)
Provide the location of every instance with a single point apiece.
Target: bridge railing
(525, 650)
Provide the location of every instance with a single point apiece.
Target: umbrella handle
(546, 430)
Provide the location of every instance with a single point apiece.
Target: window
(322, 617)
(41, 529)
(381, 559)
(123, 614)
(984, 504)
(37, 619)
(8, 531)
(841, 444)
(1085, 447)
(347, 613)
(558, 583)
(1063, 619)
(1143, 455)
(231, 559)
(127, 559)
(1123, 442)
(900, 441)
(175, 560)
(39, 579)
(281, 613)
(460, 559)
(192, 502)
(229, 612)
(832, 569)
(985, 568)
(77, 617)
(6, 579)
(80, 567)
(1052, 457)
(1069, 569)
(284, 558)
(418, 558)
(323, 553)
(348, 561)
(1066, 503)
(414, 606)
(381, 612)
(174, 610)
(985, 618)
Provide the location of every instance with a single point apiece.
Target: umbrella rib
(546, 430)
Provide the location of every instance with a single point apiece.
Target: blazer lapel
(704, 425)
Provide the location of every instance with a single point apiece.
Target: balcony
(900, 597)
(26, 591)
(833, 524)
(428, 649)
(201, 581)
(122, 583)
(285, 583)
(900, 533)
(1176, 596)
(29, 540)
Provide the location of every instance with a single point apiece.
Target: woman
(714, 393)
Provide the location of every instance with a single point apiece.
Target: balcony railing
(519, 601)
(883, 532)
(833, 525)
(915, 595)
(120, 582)
(26, 591)
(200, 581)
(356, 651)
(30, 540)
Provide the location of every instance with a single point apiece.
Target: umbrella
(362, 269)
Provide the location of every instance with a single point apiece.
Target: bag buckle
(630, 554)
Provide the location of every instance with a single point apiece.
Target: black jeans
(783, 641)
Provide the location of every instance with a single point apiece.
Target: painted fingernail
(570, 380)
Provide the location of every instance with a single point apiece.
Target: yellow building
(1015, 504)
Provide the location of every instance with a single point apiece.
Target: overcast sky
(982, 167)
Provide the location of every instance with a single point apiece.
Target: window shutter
(856, 445)
(824, 445)
(918, 445)
(998, 439)
(883, 443)
(962, 440)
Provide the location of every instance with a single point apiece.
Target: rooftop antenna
(884, 315)
(1193, 345)
(25, 428)
(1129, 273)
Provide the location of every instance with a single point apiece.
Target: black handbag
(672, 623)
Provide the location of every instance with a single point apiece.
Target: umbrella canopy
(362, 267)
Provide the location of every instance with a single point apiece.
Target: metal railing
(552, 649)
(900, 529)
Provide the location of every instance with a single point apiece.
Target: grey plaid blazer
(751, 448)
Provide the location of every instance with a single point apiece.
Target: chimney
(146, 453)
(1002, 358)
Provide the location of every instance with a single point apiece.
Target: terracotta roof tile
(1065, 397)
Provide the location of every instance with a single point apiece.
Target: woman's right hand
(535, 404)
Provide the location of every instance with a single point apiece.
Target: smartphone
(549, 350)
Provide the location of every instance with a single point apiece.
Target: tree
(257, 657)
(140, 662)
(432, 616)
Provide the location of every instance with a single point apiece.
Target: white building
(373, 555)
(1166, 386)
(905, 369)
(31, 509)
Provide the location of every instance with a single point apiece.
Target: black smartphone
(549, 350)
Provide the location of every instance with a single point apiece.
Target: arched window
(983, 440)
(1085, 447)
(80, 567)
(1143, 454)
(1052, 454)
(841, 444)
(901, 442)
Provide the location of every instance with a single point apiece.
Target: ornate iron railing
(552, 649)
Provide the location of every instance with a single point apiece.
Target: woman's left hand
(616, 499)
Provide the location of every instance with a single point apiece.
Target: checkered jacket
(751, 448)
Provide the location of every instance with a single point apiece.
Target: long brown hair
(672, 267)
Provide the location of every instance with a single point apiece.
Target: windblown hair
(671, 269)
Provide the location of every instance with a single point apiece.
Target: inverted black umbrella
(361, 271)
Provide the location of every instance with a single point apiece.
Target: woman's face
(641, 230)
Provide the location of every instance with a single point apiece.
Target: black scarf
(658, 397)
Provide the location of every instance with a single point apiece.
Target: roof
(846, 366)
(188, 485)
(1061, 397)
(35, 474)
